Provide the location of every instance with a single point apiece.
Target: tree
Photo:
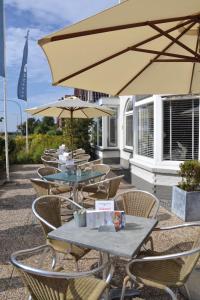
(46, 125)
(32, 124)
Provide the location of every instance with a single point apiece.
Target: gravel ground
(20, 230)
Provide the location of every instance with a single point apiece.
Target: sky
(41, 17)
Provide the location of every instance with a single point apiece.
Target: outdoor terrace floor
(20, 230)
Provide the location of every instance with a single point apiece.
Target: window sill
(129, 150)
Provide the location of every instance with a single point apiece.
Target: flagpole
(27, 146)
(6, 127)
(5, 103)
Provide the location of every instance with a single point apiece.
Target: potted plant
(186, 196)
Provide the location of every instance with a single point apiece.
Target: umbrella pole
(71, 135)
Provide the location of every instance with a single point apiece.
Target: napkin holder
(80, 218)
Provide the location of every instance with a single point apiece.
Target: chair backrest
(47, 210)
(96, 161)
(85, 157)
(44, 171)
(138, 203)
(43, 284)
(100, 168)
(79, 151)
(191, 260)
(40, 186)
(49, 161)
(113, 185)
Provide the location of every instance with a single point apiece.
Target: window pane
(129, 105)
(100, 132)
(129, 131)
(181, 129)
(145, 145)
(112, 130)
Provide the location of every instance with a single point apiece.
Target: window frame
(143, 103)
(171, 160)
(128, 114)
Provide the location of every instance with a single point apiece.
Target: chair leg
(126, 279)
(187, 292)
(171, 293)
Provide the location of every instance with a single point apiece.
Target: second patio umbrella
(136, 47)
(70, 107)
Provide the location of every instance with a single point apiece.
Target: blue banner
(2, 39)
(22, 82)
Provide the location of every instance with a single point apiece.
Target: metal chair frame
(160, 258)
(53, 274)
(157, 202)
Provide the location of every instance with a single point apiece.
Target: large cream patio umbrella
(136, 47)
(70, 107)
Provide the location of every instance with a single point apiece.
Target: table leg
(105, 259)
(75, 192)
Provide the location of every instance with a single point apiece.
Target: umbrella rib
(38, 112)
(110, 114)
(174, 40)
(157, 56)
(166, 54)
(85, 114)
(113, 28)
(120, 53)
(192, 75)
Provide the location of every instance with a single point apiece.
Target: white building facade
(150, 135)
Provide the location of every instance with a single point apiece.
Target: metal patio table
(74, 179)
(124, 243)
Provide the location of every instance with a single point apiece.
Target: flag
(22, 82)
(2, 40)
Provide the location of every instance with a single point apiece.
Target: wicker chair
(49, 161)
(107, 189)
(138, 203)
(90, 163)
(56, 188)
(54, 285)
(83, 157)
(44, 171)
(164, 271)
(43, 187)
(47, 210)
(93, 186)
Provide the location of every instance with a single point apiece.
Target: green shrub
(190, 174)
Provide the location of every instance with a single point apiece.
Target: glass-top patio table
(124, 243)
(74, 179)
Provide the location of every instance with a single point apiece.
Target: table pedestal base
(115, 294)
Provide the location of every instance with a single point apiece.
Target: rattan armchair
(47, 210)
(53, 285)
(93, 186)
(107, 189)
(44, 171)
(44, 187)
(91, 163)
(164, 271)
(138, 203)
(84, 157)
(49, 161)
(57, 188)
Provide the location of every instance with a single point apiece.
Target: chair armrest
(17, 254)
(159, 258)
(50, 196)
(188, 224)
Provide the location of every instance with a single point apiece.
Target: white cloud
(62, 10)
